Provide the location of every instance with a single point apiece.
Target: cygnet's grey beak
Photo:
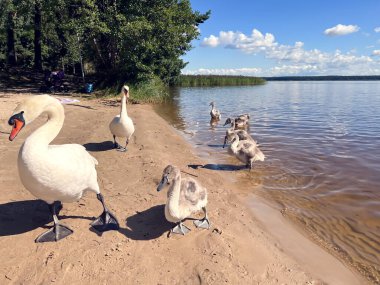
(163, 182)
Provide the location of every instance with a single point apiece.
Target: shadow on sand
(147, 225)
(102, 146)
(222, 167)
(24, 216)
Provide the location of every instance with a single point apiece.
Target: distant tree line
(324, 78)
(117, 39)
(218, 80)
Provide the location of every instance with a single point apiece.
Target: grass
(218, 80)
(152, 91)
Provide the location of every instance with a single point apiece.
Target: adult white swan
(55, 173)
(185, 197)
(121, 125)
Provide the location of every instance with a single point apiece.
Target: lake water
(322, 147)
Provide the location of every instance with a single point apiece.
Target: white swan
(185, 197)
(243, 134)
(55, 173)
(246, 151)
(122, 126)
(215, 114)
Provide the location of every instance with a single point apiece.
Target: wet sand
(239, 248)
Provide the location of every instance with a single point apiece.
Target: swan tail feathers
(95, 161)
(259, 156)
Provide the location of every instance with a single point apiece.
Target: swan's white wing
(73, 166)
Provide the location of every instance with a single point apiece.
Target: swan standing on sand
(185, 197)
(215, 114)
(122, 126)
(246, 151)
(55, 173)
(243, 135)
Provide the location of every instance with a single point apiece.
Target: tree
(123, 40)
(37, 36)
(140, 39)
(10, 30)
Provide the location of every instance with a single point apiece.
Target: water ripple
(322, 143)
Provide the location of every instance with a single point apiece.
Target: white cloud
(289, 59)
(377, 30)
(340, 30)
(293, 70)
(337, 67)
(256, 42)
(211, 41)
(376, 52)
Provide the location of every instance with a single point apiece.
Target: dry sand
(240, 247)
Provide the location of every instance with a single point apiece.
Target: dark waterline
(322, 147)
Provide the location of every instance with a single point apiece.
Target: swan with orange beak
(18, 122)
(121, 125)
(55, 173)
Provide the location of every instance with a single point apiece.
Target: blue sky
(294, 37)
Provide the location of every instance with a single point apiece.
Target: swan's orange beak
(18, 122)
(17, 126)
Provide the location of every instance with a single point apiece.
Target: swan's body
(58, 173)
(185, 197)
(52, 172)
(214, 113)
(213, 123)
(121, 125)
(246, 151)
(242, 134)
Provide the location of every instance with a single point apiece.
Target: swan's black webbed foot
(106, 221)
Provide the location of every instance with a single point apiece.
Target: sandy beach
(249, 241)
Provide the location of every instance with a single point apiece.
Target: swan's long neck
(174, 193)
(231, 130)
(235, 144)
(123, 108)
(43, 136)
(233, 126)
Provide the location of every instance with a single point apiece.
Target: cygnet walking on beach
(185, 197)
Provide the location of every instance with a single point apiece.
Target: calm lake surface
(322, 147)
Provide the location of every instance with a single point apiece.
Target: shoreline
(236, 250)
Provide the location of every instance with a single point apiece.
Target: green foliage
(152, 90)
(217, 80)
(124, 40)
